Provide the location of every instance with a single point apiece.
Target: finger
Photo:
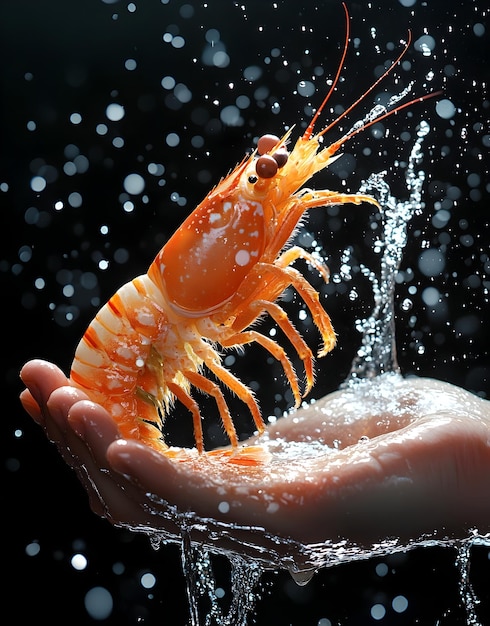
(114, 496)
(58, 428)
(41, 378)
(190, 480)
(59, 405)
(31, 406)
(95, 426)
(92, 431)
(143, 463)
(152, 484)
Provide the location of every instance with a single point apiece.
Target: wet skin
(394, 457)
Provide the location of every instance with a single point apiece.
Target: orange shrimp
(225, 267)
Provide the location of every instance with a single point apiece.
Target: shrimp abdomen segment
(110, 360)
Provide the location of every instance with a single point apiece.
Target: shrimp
(156, 340)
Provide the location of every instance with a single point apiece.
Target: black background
(65, 58)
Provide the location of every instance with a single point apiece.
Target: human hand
(388, 458)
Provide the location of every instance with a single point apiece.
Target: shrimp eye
(281, 157)
(252, 180)
(266, 143)
(266, 166)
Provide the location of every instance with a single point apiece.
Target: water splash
(377, 353)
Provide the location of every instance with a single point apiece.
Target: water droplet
(98, 603)
(306, 88)
(302, 577)
(134, 184)
(38, 183)
(445, 109)
(114, 112)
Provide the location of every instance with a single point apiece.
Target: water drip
(302, 577)
(466, 591)
(204, 608)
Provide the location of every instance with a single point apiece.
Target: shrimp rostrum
(158, 338)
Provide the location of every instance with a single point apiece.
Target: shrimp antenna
(309, 130)
(368, 91)
(336, 145)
